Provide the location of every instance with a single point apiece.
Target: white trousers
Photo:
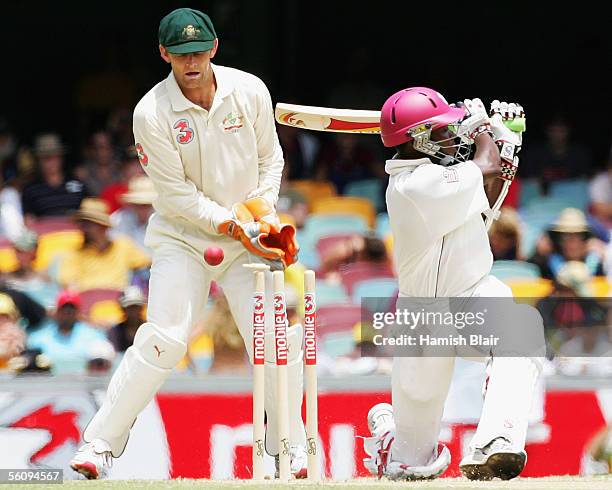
(420, 386)
(178, 293)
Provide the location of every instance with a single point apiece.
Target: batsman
(207, 139)
(452, 167)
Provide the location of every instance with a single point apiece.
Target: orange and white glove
(263, 212)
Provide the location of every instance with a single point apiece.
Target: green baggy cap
(186, 31)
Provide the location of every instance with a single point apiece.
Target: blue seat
(380, 292)
(515, 269)
(575, 192)
(369, 188)
(530, 190)
(546, 205)
(318, 226)
(383, 227)
(338, 344)
(330, 294)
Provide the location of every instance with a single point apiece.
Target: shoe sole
(499, 465)
(88, 470)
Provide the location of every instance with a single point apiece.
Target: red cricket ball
(213, 255)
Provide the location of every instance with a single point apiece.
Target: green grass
(549, 483)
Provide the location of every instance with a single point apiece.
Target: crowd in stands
(74, 266)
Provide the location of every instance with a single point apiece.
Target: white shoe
(496, 460)
(379, 449)
(380, 419)
(298, 462)
(93, 459)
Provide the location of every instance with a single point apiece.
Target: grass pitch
(549, 483)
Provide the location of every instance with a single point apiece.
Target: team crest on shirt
(233, 122)
(451, 175)
(185, 133)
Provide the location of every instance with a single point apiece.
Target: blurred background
(74, 203)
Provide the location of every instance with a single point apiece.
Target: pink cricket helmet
(412, 107)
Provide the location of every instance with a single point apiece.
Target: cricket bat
(344, 120)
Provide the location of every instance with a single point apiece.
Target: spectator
(130, 168)
(51, 193)
(35, 284)
(358, 248)
(291, 201)
(100, 357)
(12, 337)
(101, 168)
(569, 238)
(31, 313)
(345, 159)
(505, 236)
(300, 149)
(11, 215)
(65, 340)
(132, 220)
(101, 262)
(600, 194)
(558, 157)
(132, 302)
(30, 361)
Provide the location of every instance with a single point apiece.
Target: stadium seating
(530, 190)
(8, 259)
(327, 243)
(313, 190)
(575, 193)
(337, 318)
(98, 301)
(381, 292)
(371, 189)
(330, 294)
(54, 244)
(383, 227)
(351, 274)
(514, 269)
(346, 205)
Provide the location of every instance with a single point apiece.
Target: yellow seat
(600, 287)
(312, 190)
(530, 288)
(8, 260)
(106, 313)
(50, 245)
(346, 205)
(286, 219)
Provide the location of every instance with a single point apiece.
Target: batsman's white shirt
(202, 162)
(441, 247)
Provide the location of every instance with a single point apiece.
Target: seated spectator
(130, 168)
(65, 340)
(101, 262)
(31, 313)
(132, 302)
(12, 337)
(30, 361)
(101, 167)
(291, 201)
(132, 219)
(35, 284)
(358, 248)
(600, 194)
(100, 357)
(569, 238)
(52, 193)
(505, 236)
(345, 159)
(558, 157)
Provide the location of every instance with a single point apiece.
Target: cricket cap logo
(190, 33)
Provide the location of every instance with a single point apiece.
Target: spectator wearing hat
(132, 220)
(102, 261)
(52, 193)
(569, 238)
(37, 285)
(130, 168)
(12, 337)
(132, 301)
(65, 340)
(100, 357)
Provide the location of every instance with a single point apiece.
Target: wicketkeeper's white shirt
(202, 162)
(441, 247)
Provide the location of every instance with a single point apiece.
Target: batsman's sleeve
(178, 196)
(269, 151)
(446, 197)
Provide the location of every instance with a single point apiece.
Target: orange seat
(8, 259)
(600, 287)
(105, 313)
(313, 190)
(346, 205)
(530, 288)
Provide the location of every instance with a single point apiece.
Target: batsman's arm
(178, 196)
(269, 151)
